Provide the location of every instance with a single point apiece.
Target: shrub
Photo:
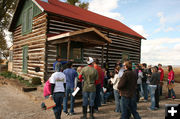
(6, 74)
(20, 78)
(13, 76)
(36, 81)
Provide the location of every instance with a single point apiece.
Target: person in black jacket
(153, 85)
(144, 85)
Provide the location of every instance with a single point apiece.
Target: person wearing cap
(58, 86)
(90, 75)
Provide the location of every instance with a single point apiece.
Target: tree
(78, 3)
(7, 8)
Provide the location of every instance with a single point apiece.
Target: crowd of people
(127, 84)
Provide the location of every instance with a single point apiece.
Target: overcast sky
(157, 20)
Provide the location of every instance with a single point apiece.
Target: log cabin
(43, 30)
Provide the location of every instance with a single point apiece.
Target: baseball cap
(90, 60)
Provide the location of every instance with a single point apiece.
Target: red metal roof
(61, 8)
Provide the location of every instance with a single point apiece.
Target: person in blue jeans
(128, 92)
(115, 80)
(90, 75)
(58, 86)
(155, 77)
(70, 74)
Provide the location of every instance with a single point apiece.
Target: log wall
(36, 48)
(112, 52)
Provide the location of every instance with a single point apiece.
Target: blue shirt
(70, 77)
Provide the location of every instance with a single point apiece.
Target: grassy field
(176, 72)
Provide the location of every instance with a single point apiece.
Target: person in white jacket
(115, 82)
(139, 82)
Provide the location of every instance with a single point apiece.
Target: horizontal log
(68, 24)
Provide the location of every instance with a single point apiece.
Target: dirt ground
(15, 104)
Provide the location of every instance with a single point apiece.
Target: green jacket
(89, 75)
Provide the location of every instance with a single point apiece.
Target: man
(161, 78)
(58, 60)
(90, 75)
(70, 74)
(97, 102)
(58, 86)
(127, 90)
(144, 85)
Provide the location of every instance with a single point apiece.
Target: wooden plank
(68, 49)
(102, 57)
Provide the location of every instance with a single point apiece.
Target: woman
(58, 86)
(153, 86)
(170, 82)
(139, 82)
(115, 82)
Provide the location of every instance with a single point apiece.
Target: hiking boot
(84, 113)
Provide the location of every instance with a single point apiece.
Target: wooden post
(102, 56)
(68, 49)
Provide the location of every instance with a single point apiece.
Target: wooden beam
(59, 41)
(87, 40)
(102, 56)
(68, 49)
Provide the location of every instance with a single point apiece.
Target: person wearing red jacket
(171, 82)
(161, 78)
(97, 101)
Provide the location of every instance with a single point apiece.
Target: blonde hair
(154, 69)
(128, 64)
(79, 69)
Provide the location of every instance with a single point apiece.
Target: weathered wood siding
(120, 43)
(36, 48)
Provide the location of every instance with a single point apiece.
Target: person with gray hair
(58, 86)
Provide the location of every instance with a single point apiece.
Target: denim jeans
(69, 91)
(102, 96)
(160, 90)
(106, 96)
(157, 96)
(144, 91)
(97, 101)
(171, 91)
(152, 89)
(129, 105)
(117, 101)
(58, 99)
(138, 92)
(88, 98)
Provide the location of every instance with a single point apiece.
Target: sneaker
(173, 97)
(71, 113)
(141, 98)
(152, 109)
(145, 100)
(96, 110)
(66, 113)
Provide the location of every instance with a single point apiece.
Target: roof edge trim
(38, 5)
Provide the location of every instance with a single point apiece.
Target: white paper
(76, 91)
